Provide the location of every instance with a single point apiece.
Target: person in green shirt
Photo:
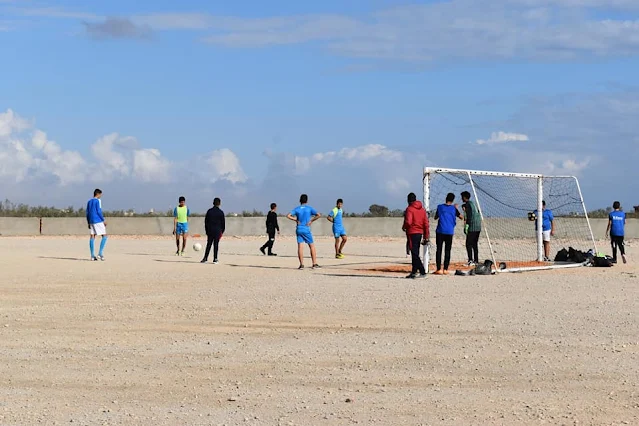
(181, 225)
(472, 228)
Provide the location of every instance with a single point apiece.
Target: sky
(258, 101)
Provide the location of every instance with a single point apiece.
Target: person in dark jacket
(214, 225)
(416, 226)
(271, 227)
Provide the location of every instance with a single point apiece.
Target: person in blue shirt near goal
(335, 217)
(97, 224)
(304, 216)
(616, 225)
(446, 217)
(547, 228)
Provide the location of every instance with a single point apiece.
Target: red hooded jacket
(416, 220)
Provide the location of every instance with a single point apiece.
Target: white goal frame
(426, 179)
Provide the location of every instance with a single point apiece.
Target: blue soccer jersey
(617, 222)
(303, 213)
(94, 211)
(546, 224)
(447, 219)
(336, 214)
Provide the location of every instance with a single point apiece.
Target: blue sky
(259, 101)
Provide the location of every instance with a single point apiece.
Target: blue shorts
(181, 228)
(304, 238)
(339, 232)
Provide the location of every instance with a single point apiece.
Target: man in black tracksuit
(271, 227)
(214, 225)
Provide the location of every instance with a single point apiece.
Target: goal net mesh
(505, 201)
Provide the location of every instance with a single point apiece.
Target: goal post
(506, 202)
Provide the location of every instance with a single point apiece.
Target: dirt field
(149, 338)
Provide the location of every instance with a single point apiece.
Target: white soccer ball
(197, 246)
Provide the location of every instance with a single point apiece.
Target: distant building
(636, 209)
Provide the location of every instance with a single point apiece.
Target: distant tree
(397, 213)
(378, 211)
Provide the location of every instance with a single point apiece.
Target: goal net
(506, 203)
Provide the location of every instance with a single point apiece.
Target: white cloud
(356, 155)
(111, 163)
(222, 164)
(502, 137)
(150, 166)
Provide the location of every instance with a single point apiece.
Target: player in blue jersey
(616, 225)
(446, 217)
(304, 216)
(547, 228)
(335, 217)
(97, 224)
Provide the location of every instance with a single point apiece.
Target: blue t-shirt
(617, 219)
(336, 214)
(546, 224)
(94, 211)
(447, 215)
(303, 214)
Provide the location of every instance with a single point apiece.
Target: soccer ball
(532, 216)
(197, 246)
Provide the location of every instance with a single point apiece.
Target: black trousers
(472, 246)
(271, 240)
(415, 242)
(617, 242)
(446, 242)
(212, 239)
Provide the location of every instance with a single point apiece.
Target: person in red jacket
(416, 227)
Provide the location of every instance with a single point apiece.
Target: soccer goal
(506, 203)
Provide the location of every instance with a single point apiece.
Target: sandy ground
(149, 338)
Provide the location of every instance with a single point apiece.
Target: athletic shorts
(304, 238)
(181, 228)
(98, 228)
(339, 232)
(545, 235)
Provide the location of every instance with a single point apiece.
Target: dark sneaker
(411, 276)
(301, 267)
(94, 258)
(215, 261)
(272, 254)
(316, 266)
(262, 250)
(623, 257)
(204, 260)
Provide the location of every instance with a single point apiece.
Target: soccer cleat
(177, 253)
(411, 276)
(94, 258)
(262, 250)
(316, 266)
(215, 261)
(182, 253)
(272, 254)
(623, 257)
(204, 260)
(100, 257)
(301, 267)
(340, 256)
(470, 263)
